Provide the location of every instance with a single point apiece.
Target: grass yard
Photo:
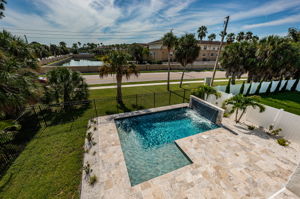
(50, 165)
(289, 101)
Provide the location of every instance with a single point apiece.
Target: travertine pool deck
(226, 164)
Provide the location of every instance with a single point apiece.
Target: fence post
(183, 96)
(136, 101)
(169, 97)
(95, 108)
(154, 99)
(43, 116)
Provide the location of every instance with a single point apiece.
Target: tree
(136, 51)
(75, 48)
(204, 91)
(227, 89)
(63, 48)
(241, 103)
(230, 37)
(202, 31)
(235, 59)
(169, 41)
(248, 36)
(212, 37)
(117, 63)
(18, 79)
(65, 85)
(186, 51)
(277, 58)
(294, 34)
(2, 8)
(240, 36)
(222, 33)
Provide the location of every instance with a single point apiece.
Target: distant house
(208, 51)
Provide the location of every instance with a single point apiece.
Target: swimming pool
(148, 141)
(82, 62)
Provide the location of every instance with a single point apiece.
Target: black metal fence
(40, 116)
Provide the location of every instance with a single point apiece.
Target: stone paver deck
(226, 164)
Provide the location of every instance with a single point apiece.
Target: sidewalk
(155, 84)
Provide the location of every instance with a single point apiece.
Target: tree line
(270, 58)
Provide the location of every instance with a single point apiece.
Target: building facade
(208, 51)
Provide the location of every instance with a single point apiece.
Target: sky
(129, 21)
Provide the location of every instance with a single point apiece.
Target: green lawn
(289, 101)
(50, 165)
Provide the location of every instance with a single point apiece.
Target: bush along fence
(261, 87)
(15, 134)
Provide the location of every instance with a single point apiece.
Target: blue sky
(128, 21)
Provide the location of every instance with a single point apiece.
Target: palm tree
(186, 51)
(241, 103)
(234, 60)
(230, 37)
(65, 85)
(169, 41)
(204, 91)
(2, 8)
(202, 31)
(248, 36)
(294, 34)
(117, 63)
(240, 36)
(211, 37)
(18, 85)
(222, 34)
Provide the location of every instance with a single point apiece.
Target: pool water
(148, 141)
(82, 62)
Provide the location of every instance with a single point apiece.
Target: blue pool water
(148, 141)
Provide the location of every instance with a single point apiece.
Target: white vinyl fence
(235, 89)
(288, 122)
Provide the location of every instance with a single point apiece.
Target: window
(205, 47)
(203, 55)
(212, 54)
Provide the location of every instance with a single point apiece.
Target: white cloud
(136, 21)
(291, 19)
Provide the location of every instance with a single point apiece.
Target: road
(160, 76)
(154, 84)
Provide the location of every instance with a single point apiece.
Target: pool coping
(109, 164)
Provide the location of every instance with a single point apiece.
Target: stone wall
(206, 109)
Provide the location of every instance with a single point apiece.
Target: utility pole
(219, 51)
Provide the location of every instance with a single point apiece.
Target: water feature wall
(206, 109)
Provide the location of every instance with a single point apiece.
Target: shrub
(283, 142)
(87, 169)
(251, 127)
(93, 180)
(273, 131)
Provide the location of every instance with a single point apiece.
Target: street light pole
(219, 51)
